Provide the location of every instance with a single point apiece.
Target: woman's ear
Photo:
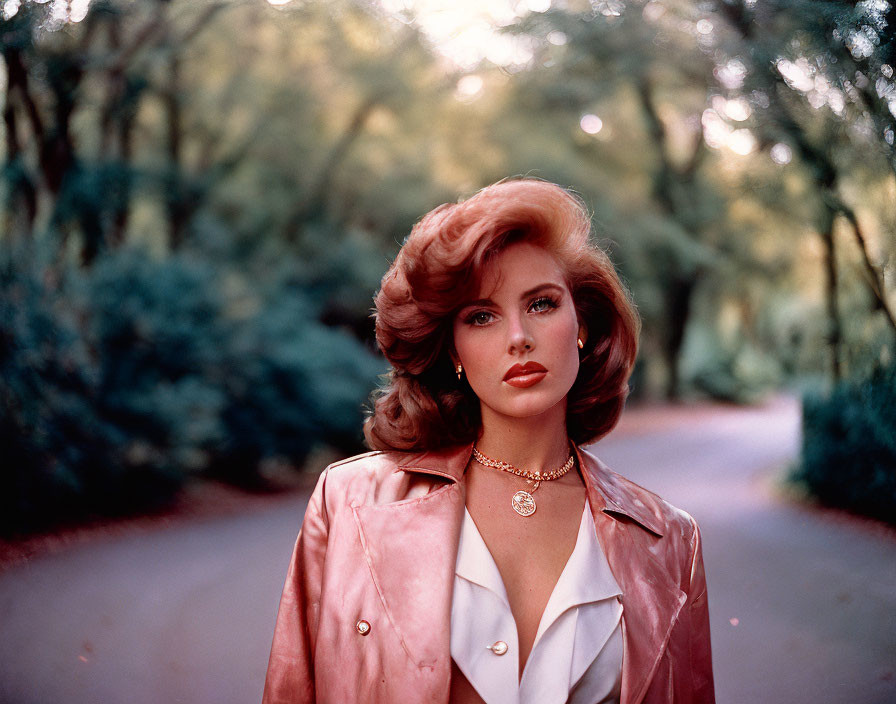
(583, 333)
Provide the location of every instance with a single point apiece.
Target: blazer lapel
(411, 548)
(651, 600)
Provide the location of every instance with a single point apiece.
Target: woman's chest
(529, 552)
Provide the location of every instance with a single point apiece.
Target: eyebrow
(532, 291)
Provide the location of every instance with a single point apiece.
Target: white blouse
(577, 654)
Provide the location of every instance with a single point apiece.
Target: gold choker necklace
(522, 501)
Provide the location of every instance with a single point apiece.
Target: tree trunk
(680, 291)
(875, 279)
(176, 198)
(835, 327)
(678, 309)
(21, 210)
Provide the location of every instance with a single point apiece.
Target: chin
(529, 408)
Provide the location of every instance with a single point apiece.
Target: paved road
(803, 604)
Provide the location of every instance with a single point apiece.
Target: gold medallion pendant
(523, 503)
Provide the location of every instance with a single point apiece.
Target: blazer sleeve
(699, 649)
(290, 674)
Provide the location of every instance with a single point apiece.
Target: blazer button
(498, 648)
(363, 627)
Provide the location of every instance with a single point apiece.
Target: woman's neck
(536, 443)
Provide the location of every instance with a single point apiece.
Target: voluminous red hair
(422, 405)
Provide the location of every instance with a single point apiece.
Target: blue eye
(540, 305)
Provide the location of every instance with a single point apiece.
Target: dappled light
(718, 133)
(61, 12)
(591, 123)
(466, 32)
(470, 86)
(781, 153)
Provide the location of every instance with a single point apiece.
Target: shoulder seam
(339, 463)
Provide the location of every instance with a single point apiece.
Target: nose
(518, 337)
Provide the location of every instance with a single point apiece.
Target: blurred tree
(120, 381)
(223, 341)
(818, 79)
(226, 181)
(706, 76)
(95, 72)
(648, 81)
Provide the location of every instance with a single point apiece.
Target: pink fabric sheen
(379, 543)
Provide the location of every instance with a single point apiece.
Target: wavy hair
(422, 405)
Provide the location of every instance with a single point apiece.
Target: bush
(120, 381)
(66, 452)
(158, 336)
(291, 384)
(849, 446)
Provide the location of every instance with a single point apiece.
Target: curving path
(803, 603)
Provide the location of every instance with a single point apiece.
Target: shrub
(119, 381)
(848, 456)
(101, 402)
(291, 384)
(57, 458)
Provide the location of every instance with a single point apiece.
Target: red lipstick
(525, 375)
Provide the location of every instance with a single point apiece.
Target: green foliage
(734, 373)
(291, 384)
(274, 157)
(66, 452)
(120, 381)
(849, 445)
(158, 336)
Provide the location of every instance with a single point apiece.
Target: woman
(479, 553)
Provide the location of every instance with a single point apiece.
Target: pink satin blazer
(365, 613)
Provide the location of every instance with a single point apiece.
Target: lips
(522, 369)
(523, 375)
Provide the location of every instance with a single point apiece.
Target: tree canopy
(198, 200)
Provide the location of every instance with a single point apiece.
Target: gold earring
(580, 343)
(459, 369)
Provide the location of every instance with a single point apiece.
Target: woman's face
(517, 342)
